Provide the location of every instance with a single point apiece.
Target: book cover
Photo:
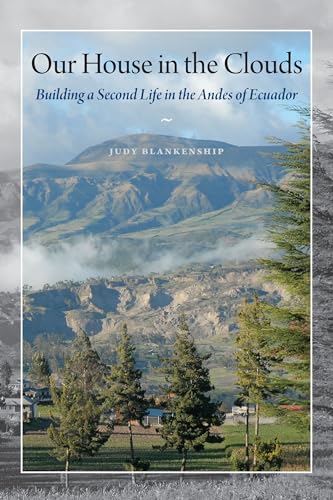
(166, 251)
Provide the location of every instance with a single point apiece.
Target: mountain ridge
(97, 194)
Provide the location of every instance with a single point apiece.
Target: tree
(6, 373)
(124, 393)
(290, 228)
(254, 361)
(40, 370)
(290, 266)
(85, 366)
(77, 428)
(191, 411)
(274, 340)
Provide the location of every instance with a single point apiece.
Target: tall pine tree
(86, 367)
(290, 228)
(77, 429)
(290, 266)
(124, 393)
(254, 361)
(191, 411)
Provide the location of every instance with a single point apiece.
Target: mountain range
(148, 196)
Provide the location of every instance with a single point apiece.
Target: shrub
(268, 455)
(238, 459)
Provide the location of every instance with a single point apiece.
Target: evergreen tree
(86, 367)
(290, 266)
(274, 340)
(290, 230)
(254, 361)
(40, 370)
(77, 427)
(6, 373)
(124, 393)
(191, 411)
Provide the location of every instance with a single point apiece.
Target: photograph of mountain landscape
(166, 251)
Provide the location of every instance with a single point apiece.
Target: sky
(120, 14)
(54, 131)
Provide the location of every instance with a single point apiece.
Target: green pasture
(215, 457)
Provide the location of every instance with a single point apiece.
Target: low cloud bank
(10, 268)
(93, 257)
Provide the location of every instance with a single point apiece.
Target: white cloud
(10, 269)
(93, 257)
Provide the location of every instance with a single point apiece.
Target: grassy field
(215, 456)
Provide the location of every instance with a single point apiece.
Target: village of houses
(11, 405)
(35, 397)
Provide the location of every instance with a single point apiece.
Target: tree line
(93, 397)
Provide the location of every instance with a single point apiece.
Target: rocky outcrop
(209, 296)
